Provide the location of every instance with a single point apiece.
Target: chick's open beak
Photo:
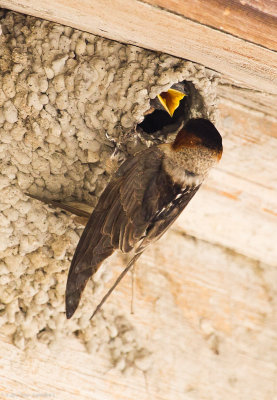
(170, 100)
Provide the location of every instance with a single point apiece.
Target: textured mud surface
(68, 99)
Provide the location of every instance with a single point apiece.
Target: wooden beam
(252, 99)
(206, 306)
(148, 26)
(247, 21)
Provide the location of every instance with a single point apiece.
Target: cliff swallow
(142, 200)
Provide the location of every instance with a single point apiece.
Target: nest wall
(70, 100)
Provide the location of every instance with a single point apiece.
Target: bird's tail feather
(77, 208)
(109, 292)
(74, 289)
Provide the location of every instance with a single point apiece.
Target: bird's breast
(180, 168)
(189, 166)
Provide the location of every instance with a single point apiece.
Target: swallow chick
(142, 200)
(168, 101)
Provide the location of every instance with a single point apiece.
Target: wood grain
(253, 21)
(199, 307)
(150, 27)
(257, 100)
(265, 6)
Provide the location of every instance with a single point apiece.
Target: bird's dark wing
(137, 207)
(118, 221)
(159, 224)
(168, 213)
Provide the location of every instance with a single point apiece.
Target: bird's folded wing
(118, 221)
(137, 207)
(166, 216)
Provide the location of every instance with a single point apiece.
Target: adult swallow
(142, 200)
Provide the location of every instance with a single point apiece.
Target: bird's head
(168, 101)
(197, 133)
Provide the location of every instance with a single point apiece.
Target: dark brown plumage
(142, 200)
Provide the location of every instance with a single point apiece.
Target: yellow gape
(170, 100)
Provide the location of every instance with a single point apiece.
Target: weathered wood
(154, 28)
(197, 306)
(250, 20)
(251, 99)
(265, 6)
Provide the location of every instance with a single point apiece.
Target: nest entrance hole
(159, 123)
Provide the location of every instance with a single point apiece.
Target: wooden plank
(143, 25)
(249, 20)
(233, 218)
(208, 307)
(257, 100)
(265, 6)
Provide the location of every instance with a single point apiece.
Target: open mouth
(168, 111)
